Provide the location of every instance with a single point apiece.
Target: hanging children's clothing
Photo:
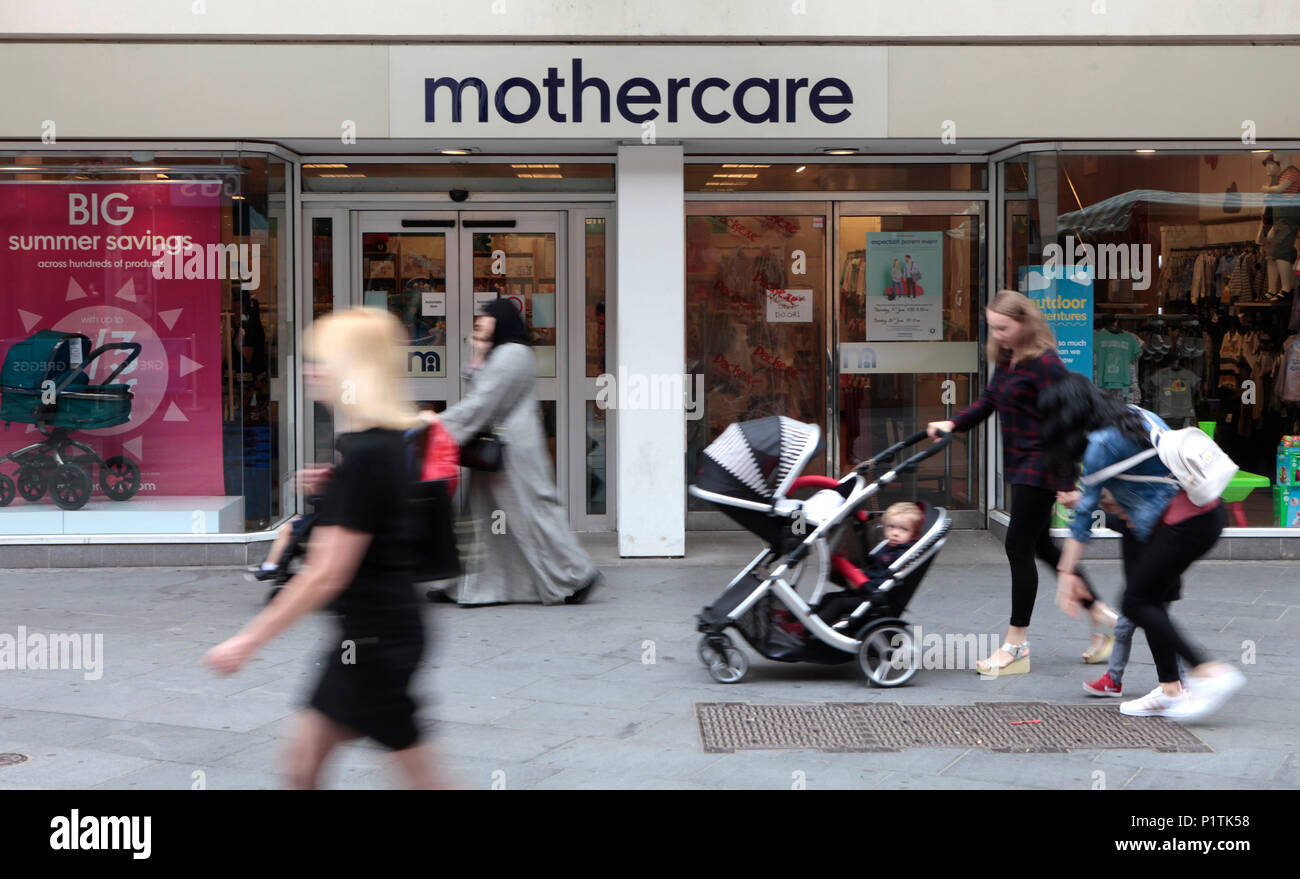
(1230, 365)
(1113, 355)
(1288, 371)
(1172, 394)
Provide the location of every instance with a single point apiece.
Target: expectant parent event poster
(1066, 302)
(79, 258)
(904, 295)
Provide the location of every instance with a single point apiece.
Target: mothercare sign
(636, 92)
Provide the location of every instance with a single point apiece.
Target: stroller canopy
(757, 460)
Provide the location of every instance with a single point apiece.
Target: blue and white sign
(1065, 296)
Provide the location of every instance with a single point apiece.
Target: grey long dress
(537, 558)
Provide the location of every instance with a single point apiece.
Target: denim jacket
(1143, 502)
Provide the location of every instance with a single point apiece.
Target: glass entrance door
(434, 270)
(407, 263)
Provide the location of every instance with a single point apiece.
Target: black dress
(367, 677)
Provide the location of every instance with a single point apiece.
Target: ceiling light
(800, 169)
(840, 151)
(1145, 152)
(456, 151)
(326, 165)
(342, 175)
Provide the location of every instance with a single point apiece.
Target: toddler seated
(902, 523)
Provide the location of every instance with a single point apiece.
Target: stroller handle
(945, 439)
(889, 453)
(132, 347)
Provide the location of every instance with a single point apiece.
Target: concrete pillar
(650, 347)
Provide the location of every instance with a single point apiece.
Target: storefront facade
(696, 234)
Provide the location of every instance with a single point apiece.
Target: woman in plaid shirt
(1023, 349)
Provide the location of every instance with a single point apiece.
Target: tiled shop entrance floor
(1011, 727)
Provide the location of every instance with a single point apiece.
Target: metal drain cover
(12, 759)
(1009, 727)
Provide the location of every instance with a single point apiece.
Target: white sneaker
(1211, 693)
(1153, 704)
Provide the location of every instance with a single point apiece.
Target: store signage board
(862, 358)
(1066, 298)
(639, 93)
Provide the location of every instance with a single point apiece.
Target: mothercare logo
(566, 98)
(57, 651)
(77, 832)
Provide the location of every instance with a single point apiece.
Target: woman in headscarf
(530, 555)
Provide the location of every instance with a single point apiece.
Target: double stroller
(814, 547)
(44, 382)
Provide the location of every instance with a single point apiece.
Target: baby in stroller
(902, 525)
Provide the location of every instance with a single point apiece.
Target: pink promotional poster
(84, 258)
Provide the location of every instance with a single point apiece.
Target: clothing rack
(1151, 317)
(1223, 245)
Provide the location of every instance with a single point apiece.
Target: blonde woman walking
(359, 562)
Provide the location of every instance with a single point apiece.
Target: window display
(909, 288)
(140, 386)
(755, 311)
(1207, 340)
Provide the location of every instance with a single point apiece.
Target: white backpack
(1198, 465)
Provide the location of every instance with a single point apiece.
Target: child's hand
(1069, 499)
(312, 480)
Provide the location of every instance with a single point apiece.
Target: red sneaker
(1103, 686)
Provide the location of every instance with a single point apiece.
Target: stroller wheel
(70, 487)
(6, 490)
(119, 478)
(727, 663)
(888, 656)
(31, 483)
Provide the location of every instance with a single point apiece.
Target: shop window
(147, 345)
(755, 324)
(909, 285)
(1187, 299)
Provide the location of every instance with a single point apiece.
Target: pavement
(601, 696)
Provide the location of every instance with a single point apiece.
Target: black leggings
(1153, 577)
(1029, 535)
